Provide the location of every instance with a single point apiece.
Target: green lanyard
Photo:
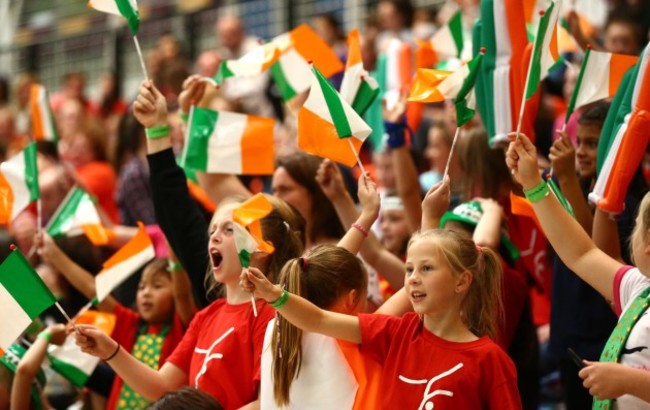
(618, 338)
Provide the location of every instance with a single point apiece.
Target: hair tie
(287, 226)
(304, 263)
(479, 250)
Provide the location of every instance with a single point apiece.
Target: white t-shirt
(325, 381)
(628, 284)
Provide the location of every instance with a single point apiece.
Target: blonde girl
(440, 356)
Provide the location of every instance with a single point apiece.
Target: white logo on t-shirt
(426, 404)
(209, 356)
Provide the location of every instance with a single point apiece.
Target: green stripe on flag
(223, 73)
(59, 221)
(24, 285)
(129, 9)
(484, 35)
(535, 68)
(286, 91)
(576, 88)
(463, 112)
(456, 28)
(69, 371)
(31, 171)
(201, 125)
(364, 98)
(334, 106)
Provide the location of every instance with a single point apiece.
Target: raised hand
(435, 204)
(563, 156)
(93, 341)
(59, 332)
(253, 281)
(330, 180)
(396, 113)
(150, 107)
(368, 198)
(193, 90)
(521, 158)
(47, 248)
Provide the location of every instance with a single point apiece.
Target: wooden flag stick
(254, 305)
(451, 153)
(39, 216)
(137, 48)
(363, 170)
(65, 315)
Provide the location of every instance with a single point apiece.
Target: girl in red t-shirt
(439, 356)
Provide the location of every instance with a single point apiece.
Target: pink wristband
(361, 229)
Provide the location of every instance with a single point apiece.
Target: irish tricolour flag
(18, 183)
(124, 263)
(325, 120)
(299, 47)
(43, 125)
(358, 88)
(69, 361)
(227, 142)
(23, 296)
(600, 75)
(445, 44)
(253, 63)
(78, 215)
(126, 8)
(248, 231)
(438, 85)
(545, 51)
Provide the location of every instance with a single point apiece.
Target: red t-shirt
(222, 350)
(125, 332)
(421, 368)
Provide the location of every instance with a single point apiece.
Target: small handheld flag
(18, 183)
(358, 88)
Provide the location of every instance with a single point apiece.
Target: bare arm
(149, 383)
(302, 313)
(562, 158)
(183, 300)
(369, 199)
(78, 277)
(397, 305)
(605, 235)
(434, 204)
(488, 230)
(570, 241)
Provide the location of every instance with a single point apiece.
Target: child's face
(429, 283)
(394, 230)
(586, 150)
(155, 299)
(223, 252)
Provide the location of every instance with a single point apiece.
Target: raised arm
(78, 277)
(300, 312)
(372, 251)
(406, 174)
(569, 240)
(488, 230)
(30, 365)
(369, 199)
(178, 215)
(605, 235)
(149, 383)
(182, 287)
(562, 158)
(435, 204)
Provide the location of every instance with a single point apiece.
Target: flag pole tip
(542, 12)
(310, 62)
(483, 50)
(12, 247)
(589, 46)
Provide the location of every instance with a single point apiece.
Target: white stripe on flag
(14, 172)
(595, 79)
(224, 145)
(111, 278)
(14, 321)
(296, 70)
(501, 75)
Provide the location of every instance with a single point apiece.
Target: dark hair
(130, 138)
(622, 15)
(333, 22)
(323, 275)
(302, 168)
(595, 114)
(186, 398)
(404, 8)
(108, 101)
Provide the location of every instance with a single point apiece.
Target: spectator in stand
(21, 101)
(73, 88)
(207, 64)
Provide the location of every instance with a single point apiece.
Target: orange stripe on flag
(529, 10)
(257, 147)
(38, 127)
(424, 87)
(553, 46)
(103, 320)
(312, 48)
(97, 234)
(354, 45)
(319, 137)
(2, 352)
(139, 243)
(201, 197)
(6, 200)
(522, 206)
(425, 55)
(618, 66)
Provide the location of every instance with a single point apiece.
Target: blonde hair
(284, 227)
(641, 224)
(481, 309)
(322, 276)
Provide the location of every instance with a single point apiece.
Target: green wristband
(45, 335)
(538, 192)
(282, 300)
(157, 132)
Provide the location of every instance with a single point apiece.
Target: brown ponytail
(322, 276)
